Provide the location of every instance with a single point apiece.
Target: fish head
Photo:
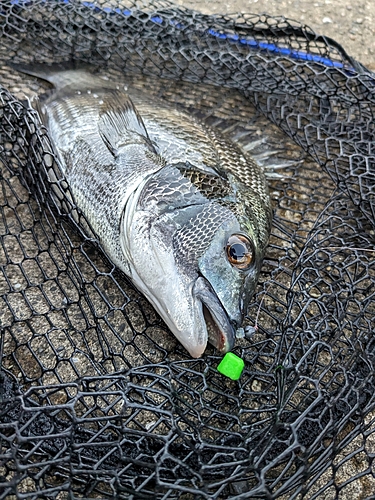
(230, 266)
(196, 262)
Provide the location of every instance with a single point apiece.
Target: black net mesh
(98, 400)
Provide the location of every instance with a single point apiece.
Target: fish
(182, 210)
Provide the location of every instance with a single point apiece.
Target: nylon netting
(98, 400)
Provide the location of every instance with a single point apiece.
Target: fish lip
(220, 331)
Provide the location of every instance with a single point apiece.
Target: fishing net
(97, 398)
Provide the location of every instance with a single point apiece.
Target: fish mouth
(220, 331)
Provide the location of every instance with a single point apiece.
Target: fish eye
(239, 251)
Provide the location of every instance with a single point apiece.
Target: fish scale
(192, 240)
(179, 208)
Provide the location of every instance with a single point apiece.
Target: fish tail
(59, 74)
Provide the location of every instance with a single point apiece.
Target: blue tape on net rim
(232, 37)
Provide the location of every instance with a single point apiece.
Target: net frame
(299, 424)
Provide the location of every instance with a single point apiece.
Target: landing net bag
(97, 398)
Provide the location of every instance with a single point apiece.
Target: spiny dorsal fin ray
(120, 124)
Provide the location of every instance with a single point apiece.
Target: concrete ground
(349, 22)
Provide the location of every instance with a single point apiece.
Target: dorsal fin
(120, 124)
(119, 121)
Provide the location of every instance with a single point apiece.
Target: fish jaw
(220, 331)
(193, 313)
(153, 271)
(180, 311)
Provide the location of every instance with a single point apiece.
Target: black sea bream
(181, 210)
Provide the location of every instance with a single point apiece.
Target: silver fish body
(177, 207)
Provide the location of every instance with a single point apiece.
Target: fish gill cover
(97, 398)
